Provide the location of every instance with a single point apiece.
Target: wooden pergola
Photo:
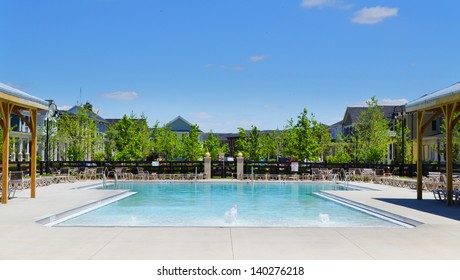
(446, 102)
(15, 101)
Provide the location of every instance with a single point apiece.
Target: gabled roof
(74, 110)
(352, 113)
(179, 124)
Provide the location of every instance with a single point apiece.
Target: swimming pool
(227, 205)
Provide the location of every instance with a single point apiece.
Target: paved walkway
(22, 238)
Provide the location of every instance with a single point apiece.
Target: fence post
(239, 166)
(207, 166)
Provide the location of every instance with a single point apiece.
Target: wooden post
(420, 116)
(6, 152)
(33, 156)
(449, 113)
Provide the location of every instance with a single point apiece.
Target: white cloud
(316, 3)
(338, 4)
(64, 107)
(393, 102)
(384, 102)
(121, 95)
(373, 15)
(257, 58)
(201, 115)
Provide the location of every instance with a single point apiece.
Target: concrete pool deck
(22, 238)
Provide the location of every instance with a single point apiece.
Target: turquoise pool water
(227, 205)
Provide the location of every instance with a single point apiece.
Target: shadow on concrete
(431, 206)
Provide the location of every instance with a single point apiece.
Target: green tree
(242, 143)
(272, 144)
(373, 134)
(341, 151)
(13, 142)
(255, 147)
(213, 145)
(304, 139)
(130, 138)
(77, 134)
(321, 134)
(193, 149)
(165, 142)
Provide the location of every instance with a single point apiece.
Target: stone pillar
(27, 150)
(13, 154)
(21, 143)
(239, 166)
(207, 166)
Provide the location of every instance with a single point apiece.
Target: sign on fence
(294, 167)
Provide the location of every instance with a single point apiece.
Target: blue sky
(228, 64)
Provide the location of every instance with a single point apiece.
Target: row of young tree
(303, 139)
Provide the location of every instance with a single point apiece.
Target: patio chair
(83, 173)
(379, 176)
(316, 174)
(99, 172)
(15, 180)
(65, 174)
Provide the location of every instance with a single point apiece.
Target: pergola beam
(15, 101)
(447, 102)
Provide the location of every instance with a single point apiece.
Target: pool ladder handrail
(104, 180)
(346, 179)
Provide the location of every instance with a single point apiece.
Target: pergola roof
(435, 99)
(21, 99)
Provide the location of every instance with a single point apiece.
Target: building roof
(179, 124)
(339, 123)
(74, 110)
(112, 121)
(434, 99)
(352, 113)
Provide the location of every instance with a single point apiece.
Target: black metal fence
(227, 169)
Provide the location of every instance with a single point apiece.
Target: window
(434, 126)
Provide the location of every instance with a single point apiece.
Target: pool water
(227, 205)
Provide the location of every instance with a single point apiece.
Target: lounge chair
(141, 174)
